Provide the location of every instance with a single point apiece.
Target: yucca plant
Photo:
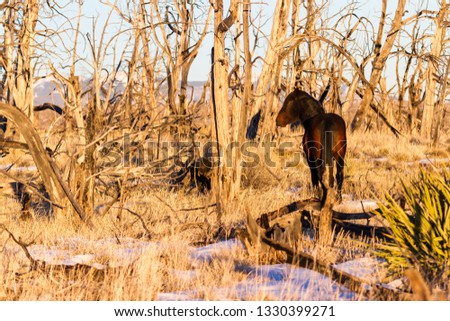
(420, 233)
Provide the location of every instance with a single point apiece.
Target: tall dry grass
(375, 164)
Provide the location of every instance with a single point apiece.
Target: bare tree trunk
(220, 88)
(313, 46)
(187, 24)
(430, 91)
(248, 86)
(267, 88)
(295, 65)
(189, 53)
(148, 74)
(441, 105)
(20, 74)
(241, 98)
(9, 16)
(237, 105)
(381, 54)
(179, 56)
(415, 94)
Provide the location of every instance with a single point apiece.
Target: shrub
(421, 232)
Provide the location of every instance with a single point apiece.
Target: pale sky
(201, 66)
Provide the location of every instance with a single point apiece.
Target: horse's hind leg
(314, 174)
(339, 178)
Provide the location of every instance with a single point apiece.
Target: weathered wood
(354, 283)
(9, 144)
(309, 205)
(380, 232)
(51, 178)
(311, 208)
(37, 150)
(269, 78)
(255, 238)
(379, 62)
(437, 45)
(352, 216)
(313, 205)
(49, 106)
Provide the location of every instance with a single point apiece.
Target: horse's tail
(328, 143)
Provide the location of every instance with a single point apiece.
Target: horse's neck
(307, 123)
(306, 118)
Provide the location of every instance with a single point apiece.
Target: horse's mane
(306, 105)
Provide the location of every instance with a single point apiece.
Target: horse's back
(328, 124)
(336, 125)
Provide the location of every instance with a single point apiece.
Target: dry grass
(376, 163)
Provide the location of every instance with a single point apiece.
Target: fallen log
(311, 208)
(308, 205)
(380, 232)
(254, 236)
(302, 259)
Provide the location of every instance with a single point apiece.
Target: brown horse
(324, 139)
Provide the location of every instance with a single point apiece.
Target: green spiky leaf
(421, 234)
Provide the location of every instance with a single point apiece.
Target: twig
(34, 264)
(196, 208)
(140, 219)
(165, 203)
(76, 206)
(122, 193)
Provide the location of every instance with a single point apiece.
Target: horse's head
(285, 116)
(298, 105)
(288, 114)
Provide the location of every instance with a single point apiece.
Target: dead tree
(173, 32)
(54, 184)
(438, 41)
(19, 24)
(381, 53)
(266, 90)
(444, 85)
(220, 88)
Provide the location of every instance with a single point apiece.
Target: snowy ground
(272, 282)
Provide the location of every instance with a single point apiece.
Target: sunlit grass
(376, 163)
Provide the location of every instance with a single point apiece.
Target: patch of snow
(208, 252)
(175, 296)
(49, 254)
(379, 159)
(268, 282)
(433, 161)
(186, 275)
(295, 189)
(277, 282)
(119, 254)
(397, 284)
(357, 206)
(18, 168)
(84, 259)
(365, 268)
